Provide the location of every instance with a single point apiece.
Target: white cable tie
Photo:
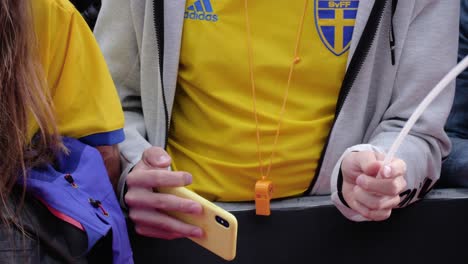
(457, 70)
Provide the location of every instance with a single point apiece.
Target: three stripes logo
(201, 10)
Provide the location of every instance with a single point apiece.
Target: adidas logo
(201, 10)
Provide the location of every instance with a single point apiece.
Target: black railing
(311, 230)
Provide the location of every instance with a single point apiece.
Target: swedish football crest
(335, 23)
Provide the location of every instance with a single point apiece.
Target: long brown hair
(23, 99)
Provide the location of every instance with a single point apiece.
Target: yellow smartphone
(219, 226)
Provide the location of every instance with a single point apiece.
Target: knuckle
(131, 178)
(176, 206)
(366, 214)
(394, 188)
(376, 204)
(157, 180)
(135, 177)
(356, 189)
(348, 161)
(180, 206)
(363, 183)
(379, 155)
(381, 215)
(164, 226)
(400, 167)
(158, 202)
(361, 210)
(139, 230)
(133, 216)
(138, 167)
(152, 150)
(151, 156)
(130, 198)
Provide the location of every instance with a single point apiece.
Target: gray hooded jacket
(377, 97)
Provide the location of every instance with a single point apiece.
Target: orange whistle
(263, 194)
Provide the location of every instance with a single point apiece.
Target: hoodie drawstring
(392, 32)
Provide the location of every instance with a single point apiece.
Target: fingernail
(196, 233)
(387, 171)
(163, 159)
(188, 178)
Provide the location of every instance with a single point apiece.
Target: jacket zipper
(357, 61)
(158, 18)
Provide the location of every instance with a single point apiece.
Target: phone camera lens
(222, 222)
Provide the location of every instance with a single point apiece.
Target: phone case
(219, 226)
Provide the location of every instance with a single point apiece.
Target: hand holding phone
(219, 226)
(182, 213)
(147, 209)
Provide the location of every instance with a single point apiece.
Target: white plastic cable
(457, 70)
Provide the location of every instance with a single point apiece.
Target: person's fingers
(360, 208)
(145, 198)
(375, 215)
(356, 163)
(158, 178)
(153, 222)
(395, 169)
(379, 156)
(390, 187)
(156, 157)
(375, 202)
(368, 162)
(380, 215)
(157, 233)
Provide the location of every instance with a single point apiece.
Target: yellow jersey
(213, 132)
(84, 97)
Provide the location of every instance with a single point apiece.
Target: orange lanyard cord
(252, 82)
(286, 93)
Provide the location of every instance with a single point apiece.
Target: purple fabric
(85, 165)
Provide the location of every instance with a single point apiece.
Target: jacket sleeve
(117, 37)
(428, 53)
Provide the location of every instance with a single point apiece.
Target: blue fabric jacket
(457, 123)
(78, 186)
